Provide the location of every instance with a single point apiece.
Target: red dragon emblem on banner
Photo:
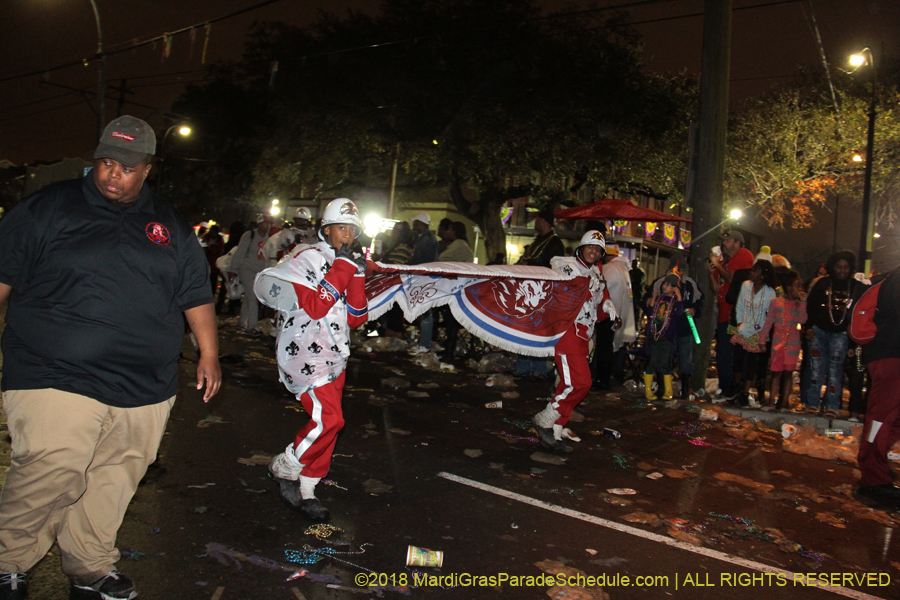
(521, 297)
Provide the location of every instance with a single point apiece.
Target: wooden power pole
(708, 199)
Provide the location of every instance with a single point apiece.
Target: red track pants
(315, 441)
(882, 429)
(574, 374)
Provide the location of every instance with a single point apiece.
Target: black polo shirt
(98, 290)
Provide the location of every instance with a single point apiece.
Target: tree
(209, 174)
(489, 101)
(790, 150)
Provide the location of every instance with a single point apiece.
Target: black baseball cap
(127, 140)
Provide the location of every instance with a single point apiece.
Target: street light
(868, 221)
(734, 215)
(184, 131)
(101, 75)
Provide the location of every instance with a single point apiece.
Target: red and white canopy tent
(612, 209)
(616, 208)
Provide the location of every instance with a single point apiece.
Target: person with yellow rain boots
(662, 308)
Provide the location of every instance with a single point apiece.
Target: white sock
(308, 487)
(557, 432)
(546, 417)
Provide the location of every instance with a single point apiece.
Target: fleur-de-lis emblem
(292, 349)
(335, 348)
(422, 293)
(314, 348)
(308, 369)
(288, 378)
(567, 270)
(276, 289)
(335, 327)
(289, 323)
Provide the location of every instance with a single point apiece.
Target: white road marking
(749, 564)
(218, 594)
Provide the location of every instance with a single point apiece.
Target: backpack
(862, 327)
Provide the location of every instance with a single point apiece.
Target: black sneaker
(112, 586)
(886, 495)
(13, 586)
(313, 510)
(289, 492)
(548, 441)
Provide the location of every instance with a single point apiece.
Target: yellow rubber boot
(648, 385)
(667, 382)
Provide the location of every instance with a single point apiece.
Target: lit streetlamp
(184, 131)
(734, 215)
(868, 219)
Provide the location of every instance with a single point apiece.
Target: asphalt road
(444, 472)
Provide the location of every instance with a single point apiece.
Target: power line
(167, 35)
(147, 42)
(418, 39)
(41, 112)
(635, 4)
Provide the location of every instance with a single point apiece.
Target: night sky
(41, 121)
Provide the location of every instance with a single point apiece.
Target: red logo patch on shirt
(158, 234)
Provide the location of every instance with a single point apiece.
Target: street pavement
(739, 517)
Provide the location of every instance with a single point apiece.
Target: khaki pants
(76, 464)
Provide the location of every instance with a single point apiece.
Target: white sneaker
(417, 349)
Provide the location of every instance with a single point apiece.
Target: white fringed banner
(521, 309)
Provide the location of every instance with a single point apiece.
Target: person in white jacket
(248, 260)
(608, 342)
(300, 232)
(751, 309)
(320, 290)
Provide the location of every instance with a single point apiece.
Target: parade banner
(650, 228)
(685, 238)
(669, 232)
(518, 308)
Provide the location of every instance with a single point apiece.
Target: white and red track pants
(315, 441)
(882, 428)
(571, 356)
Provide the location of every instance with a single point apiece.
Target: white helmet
(303, 213)
(593, 238)
(340, 210)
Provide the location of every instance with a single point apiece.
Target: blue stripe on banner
(386, 297)
(357, 312)
(329, 288)
(480, 321)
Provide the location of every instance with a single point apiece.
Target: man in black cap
(98, 272)
(546, 244)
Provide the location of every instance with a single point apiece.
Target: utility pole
(101, 75)
(708, 197)
(122, 89)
